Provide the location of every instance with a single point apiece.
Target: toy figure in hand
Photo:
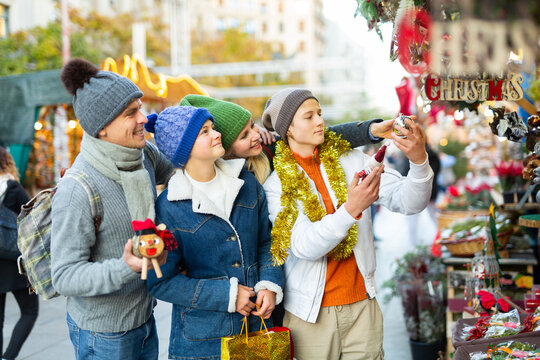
(149, 242)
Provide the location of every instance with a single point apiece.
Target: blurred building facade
(302, 39)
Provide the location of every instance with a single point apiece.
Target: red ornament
(414, 35)
(487, 300)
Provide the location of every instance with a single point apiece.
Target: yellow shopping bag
(258, 345)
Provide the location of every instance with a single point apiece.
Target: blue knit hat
(176, 128)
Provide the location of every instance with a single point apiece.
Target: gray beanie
(102, 98)
(280, 109)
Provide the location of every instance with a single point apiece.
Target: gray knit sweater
(103, 293)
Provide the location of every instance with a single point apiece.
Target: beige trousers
(343, 332)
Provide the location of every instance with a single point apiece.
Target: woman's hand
(413, 144)
(266, 303)
(384, 129)
(243, 304)
(267, 137)
(362, 193)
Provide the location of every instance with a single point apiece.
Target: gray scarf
(125, 166)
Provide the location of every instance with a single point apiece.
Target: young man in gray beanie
(322, 229)
(109, 310)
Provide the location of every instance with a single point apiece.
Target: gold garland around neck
(295, 186)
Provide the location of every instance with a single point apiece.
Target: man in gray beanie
(319, 208)
(109, 310)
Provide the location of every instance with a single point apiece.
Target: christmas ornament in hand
(149, 242)
(374, 161)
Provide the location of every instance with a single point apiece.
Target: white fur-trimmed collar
(180, 187)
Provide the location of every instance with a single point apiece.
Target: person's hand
(266, 136)
(135, 263)
(363, 193)
(266, 303)
(243, 304)
(382, 129)
(413, 144)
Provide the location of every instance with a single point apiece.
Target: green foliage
(234, 45)
(461, 166)
(455, 148)
(418, 280)
(94, 38)
(534, 89)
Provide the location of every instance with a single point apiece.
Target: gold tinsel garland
(295, 186)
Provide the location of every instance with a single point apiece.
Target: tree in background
(234, 45)
(94, 38)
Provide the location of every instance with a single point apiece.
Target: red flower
(504, 168)
(516, 168)
(453, 191)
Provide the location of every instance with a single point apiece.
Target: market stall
(478, 97)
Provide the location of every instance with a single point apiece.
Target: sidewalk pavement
(50, 336)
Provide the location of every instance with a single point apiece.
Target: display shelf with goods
(458, 269)
(509, 278)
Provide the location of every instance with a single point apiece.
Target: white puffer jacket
(305, 268)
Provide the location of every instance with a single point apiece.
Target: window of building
(249, 28)
(264, 8)
(234, 23)
(301, 26)
(264, 27)
(234, 3)
(280, 7)
(221, 25)
(3, 21)
(302, 46)
(281, 27)
(220, 2)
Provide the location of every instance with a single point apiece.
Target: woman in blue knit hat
(218, 214)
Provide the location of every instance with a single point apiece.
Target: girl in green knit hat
(241, 138)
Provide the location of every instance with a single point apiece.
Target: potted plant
(419, 281)
(509, 173)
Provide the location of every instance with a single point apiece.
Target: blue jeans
(137, 344)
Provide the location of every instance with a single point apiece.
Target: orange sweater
(344, 282)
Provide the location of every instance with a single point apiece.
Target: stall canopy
(22, 97)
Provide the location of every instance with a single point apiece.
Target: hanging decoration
(160, 87)
(40, 170)
(472, 89)
(75, 133)
(413, 32)
(60, 141)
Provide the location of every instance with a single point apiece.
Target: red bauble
(414, 35)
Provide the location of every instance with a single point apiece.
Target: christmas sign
(486, 88)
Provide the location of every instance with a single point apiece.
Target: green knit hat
(229, 118)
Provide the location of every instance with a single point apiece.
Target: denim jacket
(219, 253)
